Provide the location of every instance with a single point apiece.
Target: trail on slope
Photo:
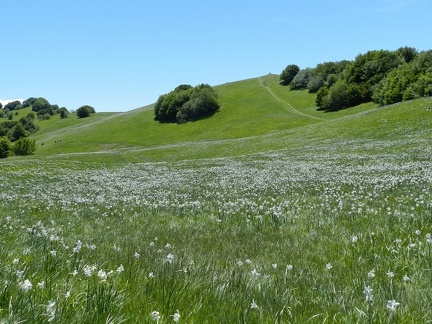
(286, 105)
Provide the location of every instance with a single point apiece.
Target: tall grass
(315, 235)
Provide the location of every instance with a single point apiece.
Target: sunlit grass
(263, 238)
(322, 221)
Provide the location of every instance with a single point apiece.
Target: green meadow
(270, 211)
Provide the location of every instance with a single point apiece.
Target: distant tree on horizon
(288, 74)
(85, 111)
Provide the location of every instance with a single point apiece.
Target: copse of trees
(13, 105)
(382, 76)
(17, 129)
(186, 103)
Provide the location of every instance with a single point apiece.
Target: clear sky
(120, 55)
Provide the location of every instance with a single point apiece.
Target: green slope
(257, 115)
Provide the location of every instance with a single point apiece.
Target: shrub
(85, 111)
(185, 104)
(5, 147)
(24, 146)
(288, 74)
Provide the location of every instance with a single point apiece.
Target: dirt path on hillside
(287, 106)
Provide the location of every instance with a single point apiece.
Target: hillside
(256, 114)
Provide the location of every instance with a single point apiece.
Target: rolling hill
(256, 115)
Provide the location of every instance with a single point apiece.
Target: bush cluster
(85, 111)
(15, 130)
(383, 76)
(23, 146)
(186, 103)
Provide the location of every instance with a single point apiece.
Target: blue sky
(121, 55)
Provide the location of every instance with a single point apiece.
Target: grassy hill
(250, 109)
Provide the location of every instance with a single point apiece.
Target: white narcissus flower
(155, 315)
(368, 291)
(26, 285)
(392, 305)
(253, 305)
(176, 316)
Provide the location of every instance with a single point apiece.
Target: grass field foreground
(306, 236)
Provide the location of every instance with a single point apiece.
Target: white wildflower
(41, 285)
(88, 270)
(50, 311)
(77, 247)
(102, 275)
(120, 269)
(371, 274)
(170, 258)
(253, 305)
(392, 305)
(26, 285)
(390, 274)
(328, 266)
(368, 291)
(155, 315)
(176, 316)
(255, 274)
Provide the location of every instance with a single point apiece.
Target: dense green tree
(24, 146)
(410, 80)
(322, 98)
(370, 68)
(18, 132)
(63, 113)
(85, 111)
(40, 104)
(288, 74)
(338, 97)
(5, 147)
(29, 102)
(186, 103)
(203, 103)
(301, 80)
(407, 53)
(13, 105)
(316, 81)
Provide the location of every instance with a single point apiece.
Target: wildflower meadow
(331, 233)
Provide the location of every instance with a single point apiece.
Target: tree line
(382, 76)
(14, 133)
